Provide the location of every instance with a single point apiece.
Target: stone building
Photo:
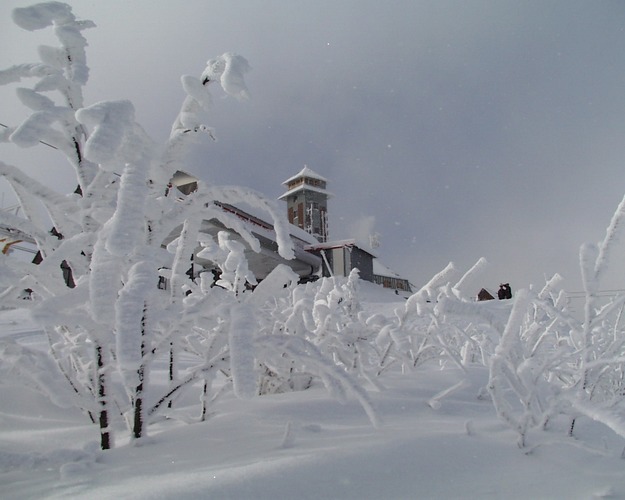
(307, 202)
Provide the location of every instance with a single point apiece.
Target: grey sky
(465, 128)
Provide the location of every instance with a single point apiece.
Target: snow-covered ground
(430, 444)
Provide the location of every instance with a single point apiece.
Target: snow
(34, 100)
(37, 128)
(129, 321)
(380, 269)
(305, 172)
(42, 15)
(110, 120)
(612, 233)
(308, 173)
(240, 336)
(332, 389)
(67, 29)
(229, 69)
(437, 439)
(307, 187)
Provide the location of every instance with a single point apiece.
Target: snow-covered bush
(527, 362)
(544, 363)
(94, 288)
(553, 363)
(434, 326)
(326, 314)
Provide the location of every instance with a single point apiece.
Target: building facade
(338, 258)
(307, 202)
(382, 275)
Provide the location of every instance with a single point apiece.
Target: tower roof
(305, 172)
(304, 187)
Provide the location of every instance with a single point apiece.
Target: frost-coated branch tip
(42, 15)
(229, 69)
(110, 121)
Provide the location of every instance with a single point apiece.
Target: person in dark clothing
(505, 292)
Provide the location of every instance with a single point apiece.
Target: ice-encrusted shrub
(124, 230)
(547, 363)
(426, 329)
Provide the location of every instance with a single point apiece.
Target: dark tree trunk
(105, 437)
(172, 369)
(572, 427)
(137, 429)
(138, 421)
(204, 401)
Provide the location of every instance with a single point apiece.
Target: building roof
(339, 244)
(380, 269)
(305, 172)
(256, 222)
(182, 178)
(305, 187)
(485, 294)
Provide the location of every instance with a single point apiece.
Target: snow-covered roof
(381, 270)
(181, 178)
(305, 172)
(306, 187)
(256, 221)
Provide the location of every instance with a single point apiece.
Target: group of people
(505, 292)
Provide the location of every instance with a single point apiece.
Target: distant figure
(505, 292)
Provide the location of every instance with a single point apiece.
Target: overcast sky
(454, 129)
